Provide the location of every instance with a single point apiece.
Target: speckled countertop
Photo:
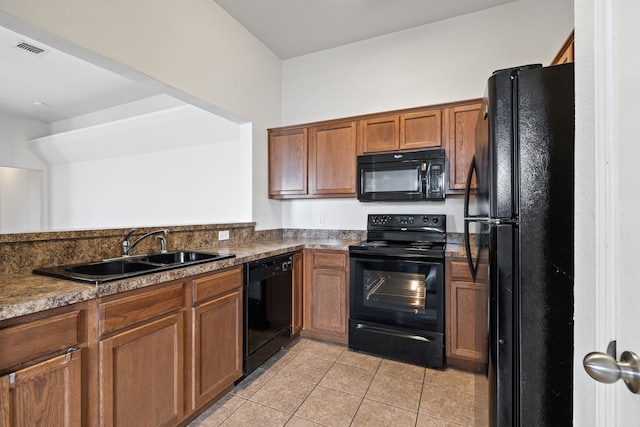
(22, 294)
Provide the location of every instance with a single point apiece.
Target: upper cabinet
(288, 162)
(319, 160)
(410, 131)
(460, 136)
(565, 54)
(314, 161)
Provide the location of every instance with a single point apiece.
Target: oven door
(398, 291)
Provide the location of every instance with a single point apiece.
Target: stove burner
(376, 243)
(421, 245)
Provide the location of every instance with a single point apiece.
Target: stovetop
(404, 235)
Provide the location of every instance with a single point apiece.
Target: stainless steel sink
(122, 268)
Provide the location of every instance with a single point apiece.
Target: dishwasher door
(267, 309)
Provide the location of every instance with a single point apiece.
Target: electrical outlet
(223, 235)
(321, 220)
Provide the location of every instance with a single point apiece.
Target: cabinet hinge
(67, 354)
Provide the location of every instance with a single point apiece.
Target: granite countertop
(22, 294)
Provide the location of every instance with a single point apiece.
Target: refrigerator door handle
(468, 219)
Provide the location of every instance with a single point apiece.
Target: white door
(626, 198)
(617, 202)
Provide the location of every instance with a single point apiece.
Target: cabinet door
(217, 356)
(288, 162)
(46, 394)
(379, 134)
(141, 374)
(467, 321)
(326, 293)
(422, 129)
(565, 54)
(332, 160)
(461, 144)
(296, 294)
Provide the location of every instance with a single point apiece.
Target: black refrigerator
(523, 224)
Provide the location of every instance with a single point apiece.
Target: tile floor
(312, 383)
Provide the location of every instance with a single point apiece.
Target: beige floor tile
(329, 407)
(278, 361)
(350, 379)
(360, 360)
(376, 414)
(255, 415)
(298, 345)
(447, 404)
(454, 379)
(306, 368)
(301, 422)
(283, 393)
(402, 370)
(218, 412)
(428, 421)
(323, 350)
(395, 391)
(251, 383)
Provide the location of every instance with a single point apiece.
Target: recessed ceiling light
(40, 104)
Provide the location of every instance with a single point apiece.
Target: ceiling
(292, 28)
(67, 86)
(63, 86)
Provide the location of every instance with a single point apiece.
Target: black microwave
(402, 176)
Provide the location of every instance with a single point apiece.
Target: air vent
(27, 47)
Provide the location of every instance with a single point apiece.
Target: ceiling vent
(29, 48)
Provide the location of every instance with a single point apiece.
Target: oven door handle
(392, 332)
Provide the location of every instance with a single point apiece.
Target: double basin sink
(125, 267)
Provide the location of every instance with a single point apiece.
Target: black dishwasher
(267, 309)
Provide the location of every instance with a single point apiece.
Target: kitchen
(263, 103)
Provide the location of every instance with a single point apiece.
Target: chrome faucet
(127, 247)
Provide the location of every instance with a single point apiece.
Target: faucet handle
(130, 233)
(163, 243)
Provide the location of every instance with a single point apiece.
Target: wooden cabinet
(410, 131)
(288, 162)
(466, 313)
(216, 349)
(141, 352)
(296, 293)
(41, 369)
(326, 294)
(460, 127)
(332, 160)
(319, 161)
(565, 54)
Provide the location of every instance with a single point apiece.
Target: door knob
(603, 367)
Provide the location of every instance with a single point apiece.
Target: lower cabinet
(48, 393)
(297, 293)
(326, 295)
(41, 369)
(216, 350)
(466, 320)
(141, 354)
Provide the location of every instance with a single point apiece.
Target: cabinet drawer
(460, 271)
(121, 313)
(217, 284)
(32, 340)
(337, 260)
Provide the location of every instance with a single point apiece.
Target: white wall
(191, 50)
(181, 165)
(445, 61)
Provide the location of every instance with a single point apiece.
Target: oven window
(398, 291)
(392, 180)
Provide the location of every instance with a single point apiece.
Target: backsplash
(21, 253)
